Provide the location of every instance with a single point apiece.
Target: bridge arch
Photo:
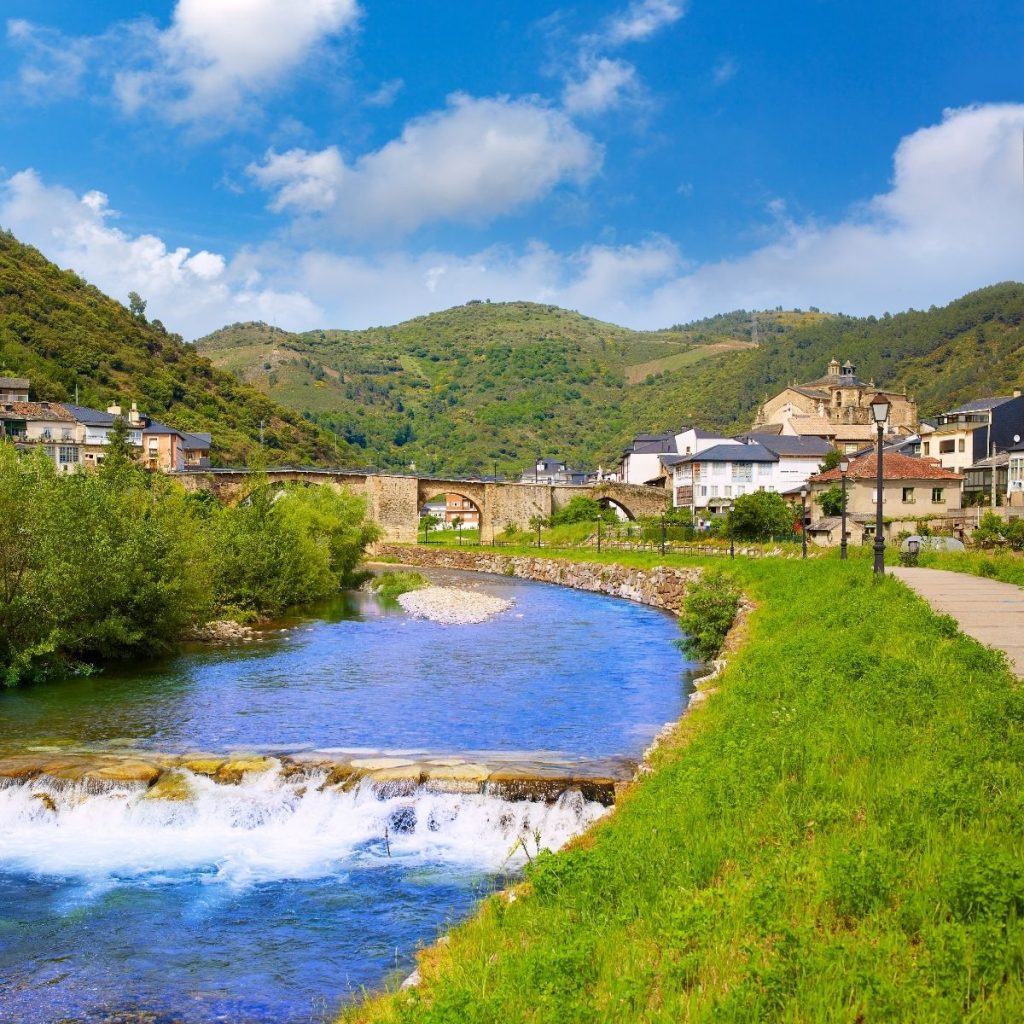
(620, 510)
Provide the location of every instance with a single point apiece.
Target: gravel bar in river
(452, 606)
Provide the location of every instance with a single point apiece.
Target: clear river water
(274, 900)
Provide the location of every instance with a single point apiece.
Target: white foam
(269, 828)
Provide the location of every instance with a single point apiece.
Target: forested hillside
(64, 333)
(487, 384)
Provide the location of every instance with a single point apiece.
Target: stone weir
(661, 587)
(165, 776)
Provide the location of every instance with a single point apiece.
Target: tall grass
(835, 836)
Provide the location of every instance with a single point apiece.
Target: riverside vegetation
(122, 562)
(834, 836)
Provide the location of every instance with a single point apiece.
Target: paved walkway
(988, 610)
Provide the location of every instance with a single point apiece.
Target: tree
(831, 460)
(118, 455)
(137, 305)
(760, 516)
(831, 501)
(583, 510)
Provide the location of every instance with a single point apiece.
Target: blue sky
(348, 162)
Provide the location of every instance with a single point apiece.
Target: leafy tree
(831, 501)
(583, 510)
(709, 609)
(989, 532)
(137, 305)
(760, 516)
(832, 459)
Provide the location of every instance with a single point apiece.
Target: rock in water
(452, 606)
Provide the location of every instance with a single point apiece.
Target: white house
(642, 461)
(711, 479)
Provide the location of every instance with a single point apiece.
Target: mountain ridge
(488, 386)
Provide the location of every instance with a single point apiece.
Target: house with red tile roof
(911, 487)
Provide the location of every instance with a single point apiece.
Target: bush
(582, 510)
(760, 516)
(708, 613)
(393, 584)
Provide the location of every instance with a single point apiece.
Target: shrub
(708, 613)
(394, 584)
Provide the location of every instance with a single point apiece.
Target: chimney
(133, 416)
(1016, 393)
(114, 410)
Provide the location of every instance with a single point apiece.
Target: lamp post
(803, 522)
(879, 413)
(844, 466)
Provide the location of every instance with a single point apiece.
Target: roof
(808, 445)
(645, 444)
(90, 417)
(21, 383)
(999, 459)
(829, 523)
(810, 392)
(196, 441)
(735, 453)
(894, 467)
(981, 405)
(161, 428)
(812, 424)
(673, 458)
(35, 411)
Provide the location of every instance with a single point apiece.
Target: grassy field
(641, 371)
(835, 836)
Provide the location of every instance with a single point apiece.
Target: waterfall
(268, 828)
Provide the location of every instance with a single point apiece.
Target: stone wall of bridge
(393, 502)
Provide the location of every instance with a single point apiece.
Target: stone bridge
(393, 501)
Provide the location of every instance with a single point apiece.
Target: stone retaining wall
(660, 587)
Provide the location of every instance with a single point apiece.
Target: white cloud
(386, 94)
(471, 162)
(54, 65)
(641, 20)
(603, 85)
(219, 53)
(190, 292)
(724, 71)
(951, 221)
(208, 67)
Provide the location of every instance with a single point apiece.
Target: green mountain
(65, 334)
(495, 384)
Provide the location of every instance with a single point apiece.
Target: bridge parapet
(394, 499)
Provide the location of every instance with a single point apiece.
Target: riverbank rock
(223, 631)
(452, 606)
(232, 771)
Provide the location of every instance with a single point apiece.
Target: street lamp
(844, 466)
(803, 521)
(879, 413)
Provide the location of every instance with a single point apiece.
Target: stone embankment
(166, 776)
(661, 586)
(452, 606)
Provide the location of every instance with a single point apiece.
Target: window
(728, 491)
(927, 446)
(704, 491)
(68, 454)
(743, 471)
(874, 497)
(938, 495)
(764, 470)
(946, 447)
(718, 469)
(908, 495)
(714, 491)
(961, 445)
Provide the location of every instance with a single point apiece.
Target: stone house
(835, 407)
(911, 488)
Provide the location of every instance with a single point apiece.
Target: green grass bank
(834, 836)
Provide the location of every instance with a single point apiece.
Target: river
(277, 899)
